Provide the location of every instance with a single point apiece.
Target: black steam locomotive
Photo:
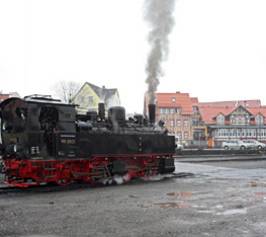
(46, 141)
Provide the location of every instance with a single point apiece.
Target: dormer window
(220, 119)
(173, 99)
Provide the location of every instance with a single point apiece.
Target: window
(186, 123)
(185, 135)
(172, 111)
(172, 123)
(220, 119)
(195, 109)
(173, 99)
(239, 119)
(178, 110)
(90, 100)
(178, 123)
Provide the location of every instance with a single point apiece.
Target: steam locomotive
(46, 141)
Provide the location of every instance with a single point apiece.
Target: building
(245, 119)
(180, 113)
(89, 95)
(210, 123)
(4, 96)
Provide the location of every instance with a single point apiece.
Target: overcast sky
(217, 47)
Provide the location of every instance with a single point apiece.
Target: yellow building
(89, 95)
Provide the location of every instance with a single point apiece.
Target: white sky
(217, 48)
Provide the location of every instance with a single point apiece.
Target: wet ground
(221, 199)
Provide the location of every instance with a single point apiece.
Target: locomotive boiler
(46, 141)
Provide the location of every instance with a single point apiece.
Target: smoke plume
(159, 15)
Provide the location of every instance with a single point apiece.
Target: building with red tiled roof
(175, 100)
(8, 95)
(235, 121)
(195, 122)
(180, 113)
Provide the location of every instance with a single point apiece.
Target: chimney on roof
(103, 87)
(178, 92)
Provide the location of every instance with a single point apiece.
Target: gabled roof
(174, 100)
(209, 113)
(102, 92)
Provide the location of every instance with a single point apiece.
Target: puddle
(205, 211)
(39, 236)
(254, 183)
(133, 196)
(165, 205)
(233, 212)
(180, 194)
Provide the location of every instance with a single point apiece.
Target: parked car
(235, 145)
(179, 147)
(254, 144)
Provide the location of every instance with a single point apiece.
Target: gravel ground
(216, 201)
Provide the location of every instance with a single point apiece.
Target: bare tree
(65, 90)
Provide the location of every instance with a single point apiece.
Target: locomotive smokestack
(152, 113)
(101, 111)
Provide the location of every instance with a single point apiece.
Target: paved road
(216, 201)
(240, 165)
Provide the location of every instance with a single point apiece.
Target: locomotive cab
(13, 125)
(32, 127)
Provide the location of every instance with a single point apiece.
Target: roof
(258, 110)
(103, 93)
(8, 95)
(210, 110)
(209, 113)
(232, 103)
(174, 100)
(4, 96)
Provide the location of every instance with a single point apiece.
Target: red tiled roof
(258, 110)
(209, 113)
(174, 100)
(232, 103)
(4, 96)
